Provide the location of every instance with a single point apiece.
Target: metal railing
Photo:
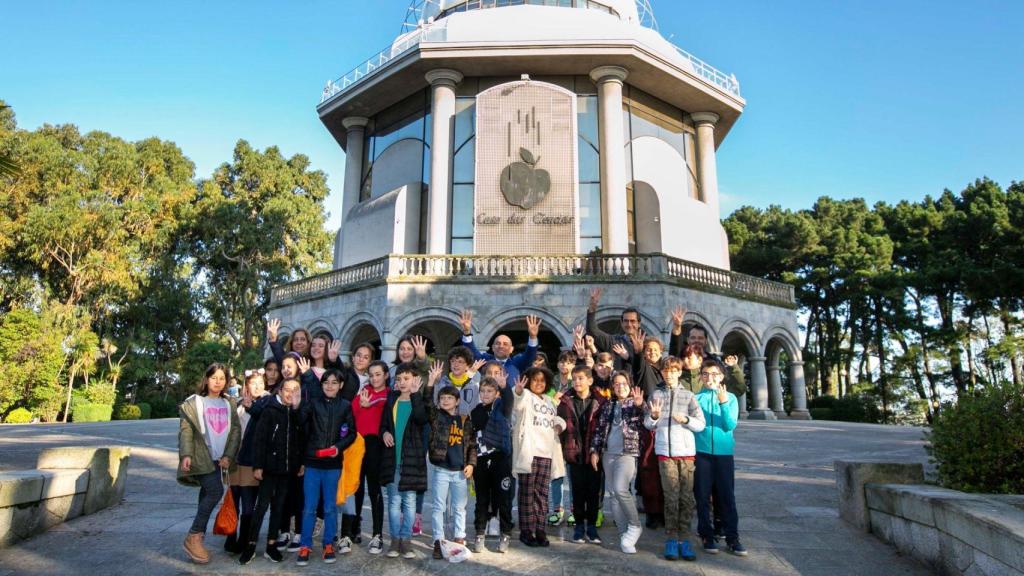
(552, 268)
(711, 74)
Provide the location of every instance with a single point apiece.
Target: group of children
(311, 434)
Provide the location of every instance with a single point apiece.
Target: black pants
(586, 492)
(369, 481)
(716, 474)
(273, 494)
(495, 489)
(293, 505)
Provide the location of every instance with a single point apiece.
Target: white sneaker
(345, 545)
(493, 527)
(376, 545)
(318, 528)
(296, 543)
(282, 540)
(629, 539)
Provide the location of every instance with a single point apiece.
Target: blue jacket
(720, 419)
(514, 365)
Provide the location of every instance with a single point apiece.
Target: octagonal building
(509, 155)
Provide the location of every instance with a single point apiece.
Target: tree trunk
(880, 342)
(71, 385)
(1004, 316)
(946, 313)
(922, 332)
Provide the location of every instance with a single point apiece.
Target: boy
(402, 470)
(452, 451)
(463, 377)
(493, 475)
(579, 408)
(675, 417)
(715, 469)
(563, 383)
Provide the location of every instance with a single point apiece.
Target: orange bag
(227, 518)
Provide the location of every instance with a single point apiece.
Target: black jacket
(277, 441)
(413, 475)
(247, 453)
(439, 427)
(579, 428)
(327, 422)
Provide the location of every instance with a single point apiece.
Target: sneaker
(577, 534)
(526, 537)
(438, 555)
(570, 520)
(282, 540)
(303, 558)
(600, 518)
(686, 551)
(248, 553)
(318, 528)
(493, 527)
(629, 538)
(478, 544)
(407, 551)
(376, 545)
(395, 549)
(273, 554)
(555, 518)
(719, 532)
(709, 545)
(344, 545)
(738, 548)
(357, 538)
(503, 542)
(329, 556)
(417, 525)
(671, 550)
(296, 543)
(592, 535)
(542, 539)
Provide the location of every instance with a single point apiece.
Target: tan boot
(194, 548)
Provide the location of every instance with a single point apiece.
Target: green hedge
(821, 402)
(978, 443)
(85, 412)
(146, 410)
(164, 408)
(127, 412)
(821, 413)
(19, 416)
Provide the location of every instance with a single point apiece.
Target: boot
(231, 544)
(194, 548)
(243, 534)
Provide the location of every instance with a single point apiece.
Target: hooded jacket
(721, 418)
(277, 440)
(579, 428)
(413, 473)
(192, 441)
(327, 422)
(632, 426)
(671, 438)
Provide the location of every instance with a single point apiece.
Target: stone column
(799, 390)
(613, 159)
(355, 132)
(442, 83)
(759, 390)
(743, 406)
(707, 169)
(388, 347)
(775, 391)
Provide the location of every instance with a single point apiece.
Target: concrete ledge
(852, 475)
(73, 482)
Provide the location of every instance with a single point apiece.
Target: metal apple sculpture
(523, 184)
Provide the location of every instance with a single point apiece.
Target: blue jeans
(556, 491)
(445, 483)
(317, 482)
(401, 510)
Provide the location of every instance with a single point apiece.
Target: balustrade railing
(547, 268)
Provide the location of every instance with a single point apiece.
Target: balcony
(557, 268)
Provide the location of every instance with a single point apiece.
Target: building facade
(508, 155)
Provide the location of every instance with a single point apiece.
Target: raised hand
(638, 338)
(334, 350)
(590, 344)
(303, 364)
(415, 385)
(677, 317)
(246, 397)
(578, 332)
(655, 406)
(475, 367)
(419, 344)
(532, 326)
(436, 369)
(466, 321)
(580, 348)
(637, 394)
(520, 385)
(595, 299)
(502, 379)
(272, 327)
(364, 397)
(619, 349)
(731, 360)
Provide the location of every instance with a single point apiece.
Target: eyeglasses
(258, 371)
(710, 374)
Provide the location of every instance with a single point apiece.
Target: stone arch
(745, 332)
(613, 312)
(787, 341)
(351, 328)
(509, 315)
(692, 318)
(432, 322)
(647, 217)
(323, 325)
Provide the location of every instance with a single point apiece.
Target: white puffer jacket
(670, 437)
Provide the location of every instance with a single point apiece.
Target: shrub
(164, 408)
(145, 410)
(821, 413)
(127, 412)
(978, 443)
(85, 412)
(821, 402)
(856, 408)
(19, 416)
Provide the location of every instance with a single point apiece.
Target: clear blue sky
(877, 99)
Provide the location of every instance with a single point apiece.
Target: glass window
(462, 245)
(589, 162)
(586, 119)
(462, 211)
(465, 120)
(464, 164)
(590, 209)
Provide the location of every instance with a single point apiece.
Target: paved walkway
(785, 491)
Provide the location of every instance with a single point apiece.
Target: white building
(508, 155)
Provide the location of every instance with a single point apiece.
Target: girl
(402, 464)
(271, 374)
(368, 410)
(616, 442)
(243, 485)
(537, 452)
(411, 349)
(299, 341)
(208, 439)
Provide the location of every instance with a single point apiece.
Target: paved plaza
(785, 492)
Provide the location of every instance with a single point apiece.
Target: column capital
(760, 359)
(603, 74)
(796, 362)
(355, 122)
(700, 118)
(443, 77)
(772, 368)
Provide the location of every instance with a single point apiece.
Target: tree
(258, 221)
(32, 359)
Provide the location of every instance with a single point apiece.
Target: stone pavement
(785, 492)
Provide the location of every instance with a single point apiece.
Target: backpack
(498, 431)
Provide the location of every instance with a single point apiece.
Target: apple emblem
(523, 184)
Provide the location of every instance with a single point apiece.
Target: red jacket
(368, 419)
(576, 439)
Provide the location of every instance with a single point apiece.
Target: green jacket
(734, 380)
(192, 444)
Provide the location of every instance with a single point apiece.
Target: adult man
(629, 321)
(502, 347)
(697, 340)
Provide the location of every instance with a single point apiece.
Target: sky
(877, 99)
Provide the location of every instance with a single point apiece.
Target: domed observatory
(507, 156)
